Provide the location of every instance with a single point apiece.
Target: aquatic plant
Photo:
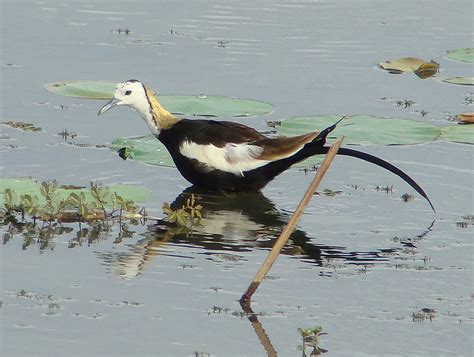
(461, 55)
(310, 337)
(65, 204)
(188, 215)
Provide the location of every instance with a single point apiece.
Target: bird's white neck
(155, 115)
(150, 121)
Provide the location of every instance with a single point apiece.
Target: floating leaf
(146, 149)
(194, 105)
(427, 70)
(83, 89)
(463, 81)
(467, 118)
(458, 133)
(213, 106)
(26, 186)
(461, 55)
(402, 65)
(364, 129)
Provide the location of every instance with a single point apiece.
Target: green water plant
(459, 133)
(187, 216)
(50, 202)
(462, 81)
(461, 55)
(311, 339)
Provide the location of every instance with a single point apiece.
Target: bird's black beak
(110, 104)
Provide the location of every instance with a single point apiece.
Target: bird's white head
(131, 93)
(135, 95)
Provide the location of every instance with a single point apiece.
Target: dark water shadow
(234, 223)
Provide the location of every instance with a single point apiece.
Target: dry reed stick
(285, 234)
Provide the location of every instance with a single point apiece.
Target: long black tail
(382, 163)
(317, 146)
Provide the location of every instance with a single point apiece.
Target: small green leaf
(463, 81)
(172, 217)
(461, 55)
(74, 199)
(9, 199)
(459, 133)
(182, 220)
(29, 204)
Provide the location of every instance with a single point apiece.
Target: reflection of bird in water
(222, 155)
(232, 224)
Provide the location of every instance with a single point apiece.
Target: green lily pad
(463, 81)
(459, 133)
(214, 106)
(194, 105)
(83, 89)
(23, 186)
(461, 55)
(145, 149)
(364, 129)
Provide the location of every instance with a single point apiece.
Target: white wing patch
(233, 158)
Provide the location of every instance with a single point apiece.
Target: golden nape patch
(163, 118)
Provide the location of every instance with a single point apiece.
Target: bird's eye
(128, 92)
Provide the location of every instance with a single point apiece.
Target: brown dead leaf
(402, 65)
(428, 69)
(467, 118)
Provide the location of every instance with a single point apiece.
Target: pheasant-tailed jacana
(228, 156)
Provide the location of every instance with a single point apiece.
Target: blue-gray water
(361, 263)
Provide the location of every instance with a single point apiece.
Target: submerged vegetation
(41, 217)
(40, 212)
(65, 203)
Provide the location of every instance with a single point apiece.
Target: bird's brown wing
(219, 133)
(280, 148)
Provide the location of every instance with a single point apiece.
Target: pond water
(379, 275)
